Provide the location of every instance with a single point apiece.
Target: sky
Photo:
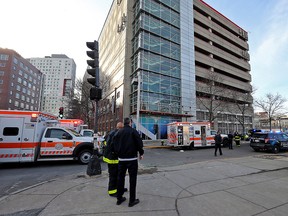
(39, 28)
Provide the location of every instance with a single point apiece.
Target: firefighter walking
(112, 160)
(237, 139)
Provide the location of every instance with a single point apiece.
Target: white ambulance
(77, 125)
(189, 134)
(28, 136)
(74, 124)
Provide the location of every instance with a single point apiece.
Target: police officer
(112, 160)
(218, 141)
(230, 140)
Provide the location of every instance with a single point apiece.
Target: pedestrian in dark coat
(127, 144)
(218, 141)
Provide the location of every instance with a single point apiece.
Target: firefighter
(112, 160)
(237, 139)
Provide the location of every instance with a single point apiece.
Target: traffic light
(61, 112)
(93, 63)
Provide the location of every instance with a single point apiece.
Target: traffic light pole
(95, 91)
(96, 117)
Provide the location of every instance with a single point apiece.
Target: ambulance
(77, 125)
(74, 124)
(189, 134)
(28, 136)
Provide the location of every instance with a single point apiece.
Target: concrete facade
(59, 81)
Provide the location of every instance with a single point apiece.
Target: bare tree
(273, 105)
(80, 106)
(241, 104)
(209, 95)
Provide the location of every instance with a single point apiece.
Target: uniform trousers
(132, 167)
(218, 146)
(113, 175)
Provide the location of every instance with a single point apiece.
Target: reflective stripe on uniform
(107, 160)
(112, 191)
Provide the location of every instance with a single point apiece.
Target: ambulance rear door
(11, 130)
(203, 136)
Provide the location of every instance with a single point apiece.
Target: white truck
(28, 136)
(189, 134)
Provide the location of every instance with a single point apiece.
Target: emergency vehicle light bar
(34, 117)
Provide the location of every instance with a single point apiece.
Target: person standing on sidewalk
(237, 139)
(112, 160)
(230, 140)
(127, 143)
(218, 141)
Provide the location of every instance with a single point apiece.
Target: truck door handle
(50, 141)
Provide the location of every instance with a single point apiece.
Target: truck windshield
(74, 132)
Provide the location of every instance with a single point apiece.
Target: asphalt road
(14, 177)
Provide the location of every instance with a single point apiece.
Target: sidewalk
(239, 186)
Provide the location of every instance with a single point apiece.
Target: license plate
(256, 141)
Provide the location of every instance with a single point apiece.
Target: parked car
(224, 138)
(270, 141)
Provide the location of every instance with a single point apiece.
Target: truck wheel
(84, 156)
(275, 149)
(225, 142)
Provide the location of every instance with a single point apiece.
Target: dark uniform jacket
(109, 155)
(127, 143)
(218, 139)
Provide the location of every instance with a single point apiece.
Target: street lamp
(137, 81)
(138, 101)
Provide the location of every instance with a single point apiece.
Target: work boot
(121, 200)
(135, 202)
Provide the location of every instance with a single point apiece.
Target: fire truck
(189, 134)
(28, 136)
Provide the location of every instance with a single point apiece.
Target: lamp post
(138, 102)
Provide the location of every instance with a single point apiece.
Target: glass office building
(147, 65)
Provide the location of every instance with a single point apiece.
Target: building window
(2, 64)
(1, 82)
(15, 60)
(1, 73)
(4, 57)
